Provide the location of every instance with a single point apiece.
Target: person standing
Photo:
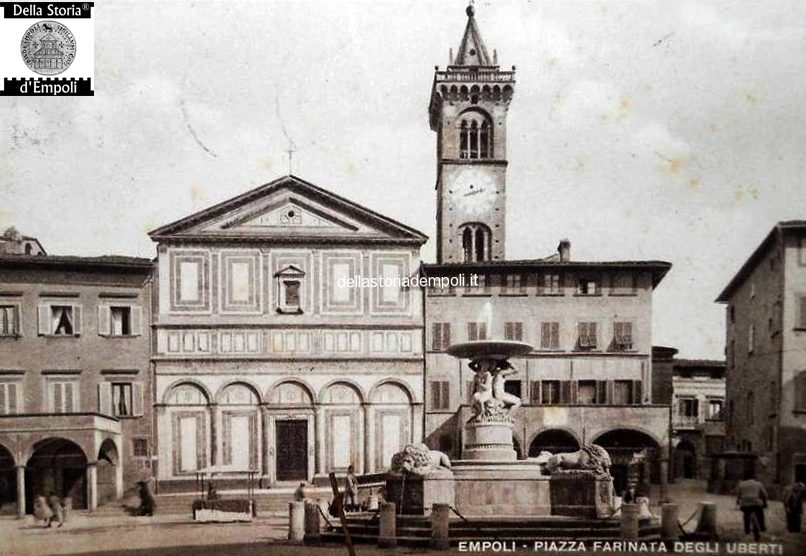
(42, 511)
(57, 507)
(351, 490)
(793, 506)
(751, 499)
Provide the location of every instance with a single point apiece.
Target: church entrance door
(292, 449)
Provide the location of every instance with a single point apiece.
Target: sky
(639, 130)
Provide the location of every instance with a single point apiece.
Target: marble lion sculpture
(419, 459)
(591, 457)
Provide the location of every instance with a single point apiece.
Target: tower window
(475, 242)
(475, 136)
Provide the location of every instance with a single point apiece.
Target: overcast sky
(639, 130)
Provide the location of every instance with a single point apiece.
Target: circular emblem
(48, 48)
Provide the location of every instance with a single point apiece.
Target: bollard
(296, 522)
(372, 503)
(439, 526)
(387, 533)
(629, 521)
(312, 523)
(706, 526)
(669, 528)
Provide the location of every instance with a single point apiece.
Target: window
(9, 401)
(623, 392)
(514, 284)
(549, 335)
(513, 331)
(440, 395)
(549, 284)
(587, 286)
(475, 242)
(715, 410)
(688, 407)
(751, 338)
(622, 336)
(586, 392)
(9, 320)
(514, 387)
(289, 289)
(122, 399)
(475, 136)
(623, 284)
(800, 391)
(587, 335)
(63, 396)
(476, 331)
(140, 447)
(121, 318)
(62, 320)
(440, 335)
(291, 293)
(549, 392)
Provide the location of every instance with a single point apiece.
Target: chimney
(565, 250)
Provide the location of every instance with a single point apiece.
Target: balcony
(481, 76)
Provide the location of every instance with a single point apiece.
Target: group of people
(49, 509)
(751, 497)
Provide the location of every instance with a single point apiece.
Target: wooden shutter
(136, 325)
(104, 320)
(76, 320)
(446, 334)
(446, 395)
(601, 392)
(137, 399)
(582, 331)
(565, 391)
(435, 393)
(519, 331)
(436, 336)
(534, 392)
(637, 395)
(68, 397)
(472, 332)
(105, 398)
(545, 335)
(508, 334)
(44, 320)
(803, 312)
(592, 339)
(482, 331)
(12, 398)
(555, 335)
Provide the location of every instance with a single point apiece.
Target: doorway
(291, 437)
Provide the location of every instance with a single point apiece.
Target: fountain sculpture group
(489, 480)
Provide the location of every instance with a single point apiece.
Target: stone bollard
(439, 526)
(669, 527)
(296, 522)
(312, 523)
(387, 533)
(629, 521)
(706, 526)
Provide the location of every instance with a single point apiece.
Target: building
(697, 416)
(263, 344)
(14, 243)
(766, 356)
(74, 377)
(589, 377)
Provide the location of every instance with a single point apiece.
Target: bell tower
(468, 111)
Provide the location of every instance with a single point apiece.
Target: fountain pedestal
(488, 441)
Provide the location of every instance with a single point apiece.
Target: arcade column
(21, 491)
(92, 485)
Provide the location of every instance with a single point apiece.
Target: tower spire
(472, 50)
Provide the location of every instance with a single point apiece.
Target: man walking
(793, 506)
(351, 490)
(751, 499)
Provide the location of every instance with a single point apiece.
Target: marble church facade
(265, 359)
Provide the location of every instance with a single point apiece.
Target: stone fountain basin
(499, 350)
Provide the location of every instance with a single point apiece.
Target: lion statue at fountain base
(590, 458)
(419, 459)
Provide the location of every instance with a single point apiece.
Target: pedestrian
(300, 494)
(42, 511)
(351, 490)
(147, 503)
(56, 505)
(751, 499)
(793, 506)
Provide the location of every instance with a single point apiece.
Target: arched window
(475, 136)
(476, 239)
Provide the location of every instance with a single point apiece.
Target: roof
(658, 268)
(397, 230)
(775, 234)
(699, 363)
(104, 262)
(472, 50)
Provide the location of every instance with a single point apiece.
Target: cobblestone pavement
(178, 536)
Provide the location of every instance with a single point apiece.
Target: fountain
(489, 480)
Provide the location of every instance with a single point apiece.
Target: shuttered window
(476, 331)
(9, 400)
(587, 338)
(9, 320)
(549, 335)
(63, 396)
(440, 395)
(440, 335)
(622, 336)
(59, 320)
(513, 331)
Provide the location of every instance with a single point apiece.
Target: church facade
(267, 360)
(589, 375)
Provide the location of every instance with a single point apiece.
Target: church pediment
(289, 209)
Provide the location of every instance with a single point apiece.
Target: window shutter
(482, 331)
(519, 331)
(446, 399)
(137, 321)
(574, 392)
(12, 398)
(611, 395)
(68, 397)
(436, 340)
(472, 333)
(76, 320)
(508, 331)
(803, 312)
(601, 392)
(565, 392)
(105, 398)
(104, 320)
(555, 335)
(446, 334)
(582, 329)
(592, 334)
(637, 395)
(435, 392)
(545, 334)
(137, 399)
(16, 314)
(534, 392)
(44, 320)
(56, 398)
